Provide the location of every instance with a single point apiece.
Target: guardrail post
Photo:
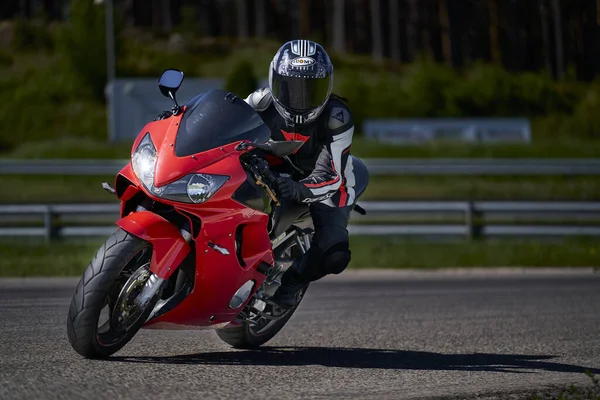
(473, 221)
(50, 231)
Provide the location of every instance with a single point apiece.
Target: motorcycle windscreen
(217, 118)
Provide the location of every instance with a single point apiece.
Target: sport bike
(202, 239)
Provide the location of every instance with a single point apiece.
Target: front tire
(120, 256)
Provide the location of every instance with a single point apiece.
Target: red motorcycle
(202, 240)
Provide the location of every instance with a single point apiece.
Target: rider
(298, 105)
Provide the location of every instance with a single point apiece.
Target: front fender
(169, 248)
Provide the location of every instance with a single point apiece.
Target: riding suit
(327, 186)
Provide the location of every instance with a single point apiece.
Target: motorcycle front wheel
(102, 316)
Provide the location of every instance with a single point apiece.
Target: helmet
(300, 79)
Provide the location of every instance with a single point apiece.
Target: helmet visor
(300, 94)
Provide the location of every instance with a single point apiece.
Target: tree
(226, 21)
(128, 11)
(304, 18)
(412, 29)
(445, 32)
(339, 28)
(494, 36)
(167, 17)
(242, 18)
(558, 38)
(376, 37)
(82, 46)
(428, 21)
(394, 21)
(260, 18)
(241, 80)
(155, 7)
(360, 27)
(544, 15)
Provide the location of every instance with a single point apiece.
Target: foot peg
(283, 263)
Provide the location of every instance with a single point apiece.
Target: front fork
(170, 246)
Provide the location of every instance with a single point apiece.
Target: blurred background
(479, 119)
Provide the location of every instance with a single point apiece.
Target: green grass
(69, 258)
(54, 189)
(394, 252)
(572, 392)
(482, 188)
(65, 189)
(34, 258)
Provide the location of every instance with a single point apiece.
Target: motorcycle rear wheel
(246, 336)
(115, 261)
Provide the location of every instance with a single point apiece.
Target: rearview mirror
(169, 82)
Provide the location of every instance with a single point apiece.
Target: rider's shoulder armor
(260, 99)
(337, 116)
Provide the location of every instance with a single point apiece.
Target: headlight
(192, 188)
(144, 161)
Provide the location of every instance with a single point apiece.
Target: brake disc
(127, 310)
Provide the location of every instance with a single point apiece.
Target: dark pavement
(360, 335)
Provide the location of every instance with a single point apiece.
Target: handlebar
(264, 170)
(262, 174)
(259, 168)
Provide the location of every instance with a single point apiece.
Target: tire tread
(90, 292)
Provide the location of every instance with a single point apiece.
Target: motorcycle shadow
(369, 359)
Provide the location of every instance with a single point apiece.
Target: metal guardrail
(472, 213)
(377, 166)
(497, 167)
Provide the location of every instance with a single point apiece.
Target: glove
(164, 115)
(287, 188)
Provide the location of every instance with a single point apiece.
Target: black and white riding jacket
(325, 155)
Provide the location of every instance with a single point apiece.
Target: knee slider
(336, 258)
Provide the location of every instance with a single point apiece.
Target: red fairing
(217, 276)
(169, 248)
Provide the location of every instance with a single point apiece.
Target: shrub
(387, 98)
(585, 120)
(31, 35)
(425, 86)
(536, 94)
(83, 46)
(241, 80)
(484, 90)
(42, 102)
(6, 59)
(189, 20)
(351, 87)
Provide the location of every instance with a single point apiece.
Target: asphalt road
(389, 336)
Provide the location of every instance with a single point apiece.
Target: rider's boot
(292, 283)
